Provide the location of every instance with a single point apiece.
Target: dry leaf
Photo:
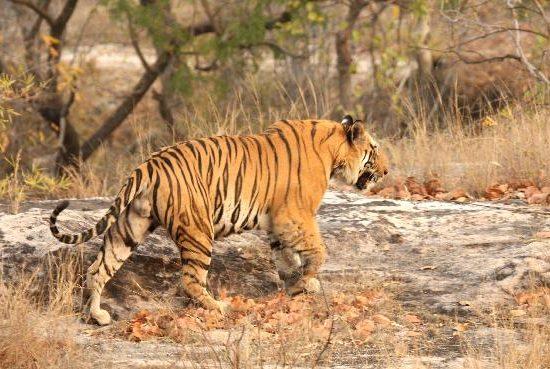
(413, 334)
(364, 328)
(433, 187)
(321, 331)
(517, 313)
(530, 191)
(542, 234)
(381, 320)
(415, 188)
(539, 199)
(240, 304)
(460, 327)
(493, 193)
(465, 303)
(351, 315)
(417, 197)
(387, 192)
(428, 267)
(413, 319)
(456, 194)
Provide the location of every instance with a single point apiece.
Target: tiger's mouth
(365, 179)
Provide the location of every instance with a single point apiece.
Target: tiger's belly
(229, 223)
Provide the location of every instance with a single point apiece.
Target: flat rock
(442, 253)
(447, 258)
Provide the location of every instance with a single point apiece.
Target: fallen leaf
(387, 192)
(413, 319)
(465, 303)
(241, 304)
(415, 188)
(364, 328)
(517, 313)
(413, 334)
(493, 193)
(417, 197)
(460, 327)
(381, 320)
(428, 267)
(530, 191)
(539, 199)
(433, 187)
(542, 234)
(351, 315)
(320, 331)
(456, 194)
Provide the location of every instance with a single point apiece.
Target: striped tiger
(207, 188)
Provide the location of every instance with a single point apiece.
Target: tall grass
(37, 325)
(513, 144)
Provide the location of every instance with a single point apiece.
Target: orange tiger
(203, 189)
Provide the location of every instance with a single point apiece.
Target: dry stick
(41, 12)
(328, 340)
(135, 43)
(534, 71)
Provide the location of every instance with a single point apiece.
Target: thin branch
(40, 12)
(275, 48)
(502, 30)
(481, 60)
(534, 71)
(135, 43)
(126, 107)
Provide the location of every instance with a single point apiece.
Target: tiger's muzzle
(369, 177)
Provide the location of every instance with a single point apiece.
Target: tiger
(205, 189)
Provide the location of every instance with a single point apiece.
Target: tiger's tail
(135, 184)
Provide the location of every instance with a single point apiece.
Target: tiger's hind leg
(131, 228)
(195, 244)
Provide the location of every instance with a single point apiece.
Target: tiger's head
(360, 159)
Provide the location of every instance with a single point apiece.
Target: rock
(478, 252)
(447, 259)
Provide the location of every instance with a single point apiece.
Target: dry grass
(520, 338)
(37, 326)
(512, 145)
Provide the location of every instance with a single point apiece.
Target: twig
(42, 13)
(135, 44)
(329, 337)
(534, 71)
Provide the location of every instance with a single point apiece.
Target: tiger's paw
(305, 285)
(101, 316)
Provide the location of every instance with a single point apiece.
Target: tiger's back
(211, 187)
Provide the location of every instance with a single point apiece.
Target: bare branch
(534, 71)
(41, 12)
(127, 105)
(135, 43)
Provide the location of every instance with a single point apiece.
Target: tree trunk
(344, 58)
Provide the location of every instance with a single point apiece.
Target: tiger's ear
(356, 132)
(347, 120)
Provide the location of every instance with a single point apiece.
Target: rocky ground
(443, 268)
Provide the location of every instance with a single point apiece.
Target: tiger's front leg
(299, 253)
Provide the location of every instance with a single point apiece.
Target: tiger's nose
(385, 171)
